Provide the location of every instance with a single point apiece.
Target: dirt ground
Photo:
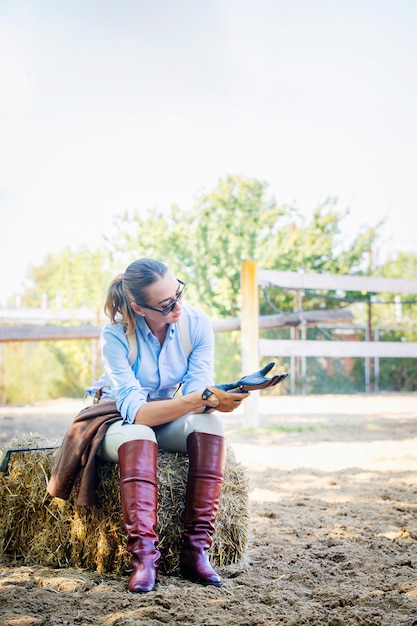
(333, 502)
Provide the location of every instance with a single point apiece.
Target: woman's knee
(211, 424)
(118, 434)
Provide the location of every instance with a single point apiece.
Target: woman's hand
(222, 401)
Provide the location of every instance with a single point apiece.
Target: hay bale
(50, 531)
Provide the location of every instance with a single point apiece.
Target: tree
(238, 221)
(205, 246)
(71, 278)
(233, 223)
(397, 313)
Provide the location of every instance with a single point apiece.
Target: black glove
(257, 380)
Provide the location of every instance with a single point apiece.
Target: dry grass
(49, 531)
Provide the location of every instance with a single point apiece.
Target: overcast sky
(107, 106)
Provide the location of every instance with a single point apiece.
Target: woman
(147, 299)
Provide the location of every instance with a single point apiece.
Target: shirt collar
(146, 331)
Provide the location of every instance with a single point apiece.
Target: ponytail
(117, 306)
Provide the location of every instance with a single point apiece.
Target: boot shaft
(139, 489)
(139, 497)
(207, 457)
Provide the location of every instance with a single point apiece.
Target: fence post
(249, 325)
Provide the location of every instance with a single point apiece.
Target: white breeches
(171, 436)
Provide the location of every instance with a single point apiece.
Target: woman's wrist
(203, 398)
(194, 400)
(210, 399)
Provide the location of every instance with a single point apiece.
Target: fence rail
(337, 349)
(250, 323)
(370, 284)
(48, 332)
(299, 347)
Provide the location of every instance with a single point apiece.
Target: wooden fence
(250, 323)
(253, 347)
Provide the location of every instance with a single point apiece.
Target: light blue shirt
(158, 370)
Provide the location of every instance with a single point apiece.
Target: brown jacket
(76, 457)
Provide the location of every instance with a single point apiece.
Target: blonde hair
(131, 287)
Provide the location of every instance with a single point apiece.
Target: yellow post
(249, 324)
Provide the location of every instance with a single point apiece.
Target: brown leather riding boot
(207, 456)
(139, 496)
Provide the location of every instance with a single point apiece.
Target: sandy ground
(333, 497)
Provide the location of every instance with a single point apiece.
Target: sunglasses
(171, 306)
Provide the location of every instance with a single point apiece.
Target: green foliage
(39, 370)
(235, 222)
(403, 264)
(232, 224)
(31, 372)
(330, 376)
(77, 361)
(71, 280)
(205, 246)
(153, 234)
(403, 308)
(227, 357)
(315, 246)
(398, 374)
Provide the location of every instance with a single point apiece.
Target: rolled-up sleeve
(126, 389)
